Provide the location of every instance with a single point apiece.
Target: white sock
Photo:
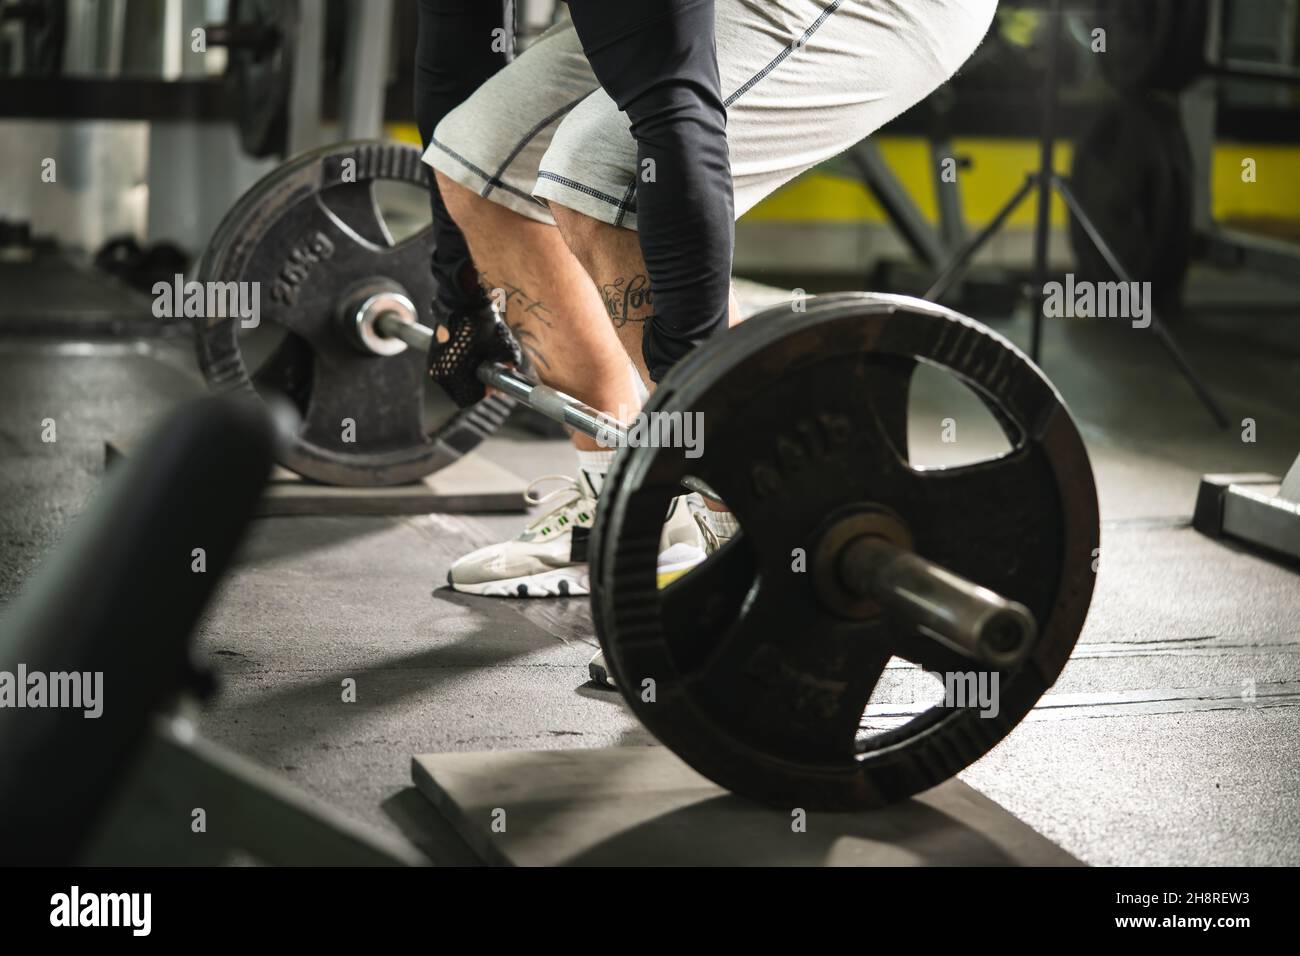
(594, 465)
(722, 523)
(642, 393)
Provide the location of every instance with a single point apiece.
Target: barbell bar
(972, 620)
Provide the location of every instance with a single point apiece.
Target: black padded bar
(119, 597)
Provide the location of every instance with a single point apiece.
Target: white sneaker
(713, 540)
(549, 558)
(681, 546)
(674, 562)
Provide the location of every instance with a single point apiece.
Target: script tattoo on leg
(520, 311)
(627, 296)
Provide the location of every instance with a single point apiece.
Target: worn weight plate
(1153, 44)
(738, 666)
(1132, 174)
(309, 239)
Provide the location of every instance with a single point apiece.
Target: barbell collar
(370, 303)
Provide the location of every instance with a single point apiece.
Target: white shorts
(804, 80)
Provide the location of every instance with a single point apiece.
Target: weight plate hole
(704, 582)
(904, 692)
(948, 424)
(404, 208)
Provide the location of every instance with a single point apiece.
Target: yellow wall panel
(998, 168)
(1275, 194)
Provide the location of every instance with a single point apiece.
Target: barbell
(758, 667)
(866, 564)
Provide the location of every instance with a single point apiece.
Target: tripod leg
(944, 280)
(1157, 324)
(902, 213)
(1046, 171)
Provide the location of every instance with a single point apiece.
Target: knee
(582, 234)
(465, 206)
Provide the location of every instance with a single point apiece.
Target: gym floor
(1168, 740)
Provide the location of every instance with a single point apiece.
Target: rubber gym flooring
(1169, 739)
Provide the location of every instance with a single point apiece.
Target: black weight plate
(1153, 44)
(261, 73)
(756, 683)
(309, 239)
(1132, 174)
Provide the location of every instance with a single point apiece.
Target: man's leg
(486, 153)
(556, 313)
(550, 302)
(613, 258)
(656, 61)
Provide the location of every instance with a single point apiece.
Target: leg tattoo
(521, 311)
(628, 299)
